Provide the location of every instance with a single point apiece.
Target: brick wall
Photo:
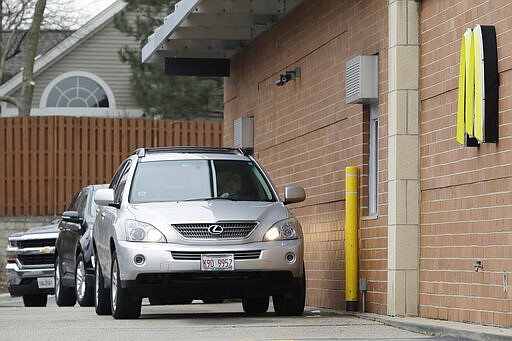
(466, 207)
(306, 135)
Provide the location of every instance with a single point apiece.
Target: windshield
(188, 180)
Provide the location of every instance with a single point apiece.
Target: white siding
(98, 55)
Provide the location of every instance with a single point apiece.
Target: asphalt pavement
(435, 328)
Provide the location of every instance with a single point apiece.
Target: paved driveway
(196, 321)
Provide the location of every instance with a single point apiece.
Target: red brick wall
(306, 135)
(466, 208)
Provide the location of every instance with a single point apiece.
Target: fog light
(290, 257)
(139, 260)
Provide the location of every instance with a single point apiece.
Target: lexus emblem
(215, 229)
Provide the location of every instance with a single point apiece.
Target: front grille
(229, 230)
(36, 259)
(22, 244)
(179, 255)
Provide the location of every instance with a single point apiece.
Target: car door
(70, 232)
(81, 209)
(89, 216)
(104, 226)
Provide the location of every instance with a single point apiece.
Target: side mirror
(104, 196)
(293, 194)
(71, 217)
(56, 220)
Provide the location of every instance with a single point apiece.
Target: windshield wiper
(209, 198)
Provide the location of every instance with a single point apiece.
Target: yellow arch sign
(477, 107)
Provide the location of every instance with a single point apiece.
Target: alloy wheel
(113, 286)
(96, 284)
(80, 279)
(57, 279)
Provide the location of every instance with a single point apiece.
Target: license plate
(45, 282)
(218, 262)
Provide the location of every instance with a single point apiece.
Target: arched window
(77, 90)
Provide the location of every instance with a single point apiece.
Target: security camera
(283, 79)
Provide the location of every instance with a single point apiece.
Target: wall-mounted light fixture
(288, 76)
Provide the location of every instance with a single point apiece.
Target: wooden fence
(45, 160)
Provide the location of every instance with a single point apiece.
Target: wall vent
(361, 79)
(243, 132)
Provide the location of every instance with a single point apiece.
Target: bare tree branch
(12, 24)
(20, 25)
(10, 100)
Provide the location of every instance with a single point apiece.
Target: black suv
(74, 261)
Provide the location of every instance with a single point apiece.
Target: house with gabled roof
(82, 75)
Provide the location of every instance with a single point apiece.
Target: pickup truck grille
(37, 259)
(180, 255)
(23, 244)
(232, 230)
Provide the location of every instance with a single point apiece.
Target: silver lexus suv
(184, 223)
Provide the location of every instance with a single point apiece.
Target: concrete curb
(442, 328)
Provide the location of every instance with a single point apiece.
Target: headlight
(137, 231)
(284, 230)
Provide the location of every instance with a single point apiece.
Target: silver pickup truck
(30, 264)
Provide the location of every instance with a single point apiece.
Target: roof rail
(141, 152)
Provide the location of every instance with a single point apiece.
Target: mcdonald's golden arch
(477, 107)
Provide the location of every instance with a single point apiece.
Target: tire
(36, 300)
(101, 295)
(291, 303)
(64, 296)
(255, 305)
(124, 304)
(84, 293)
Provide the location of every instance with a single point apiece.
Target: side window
(119, 188)
(81, 204)
(115, 180)
(74, 202)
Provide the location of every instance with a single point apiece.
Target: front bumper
(22, 282)
(261, 268)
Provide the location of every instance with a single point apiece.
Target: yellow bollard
(351, 240)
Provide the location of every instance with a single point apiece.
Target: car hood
(210, 211)
(52, 228)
